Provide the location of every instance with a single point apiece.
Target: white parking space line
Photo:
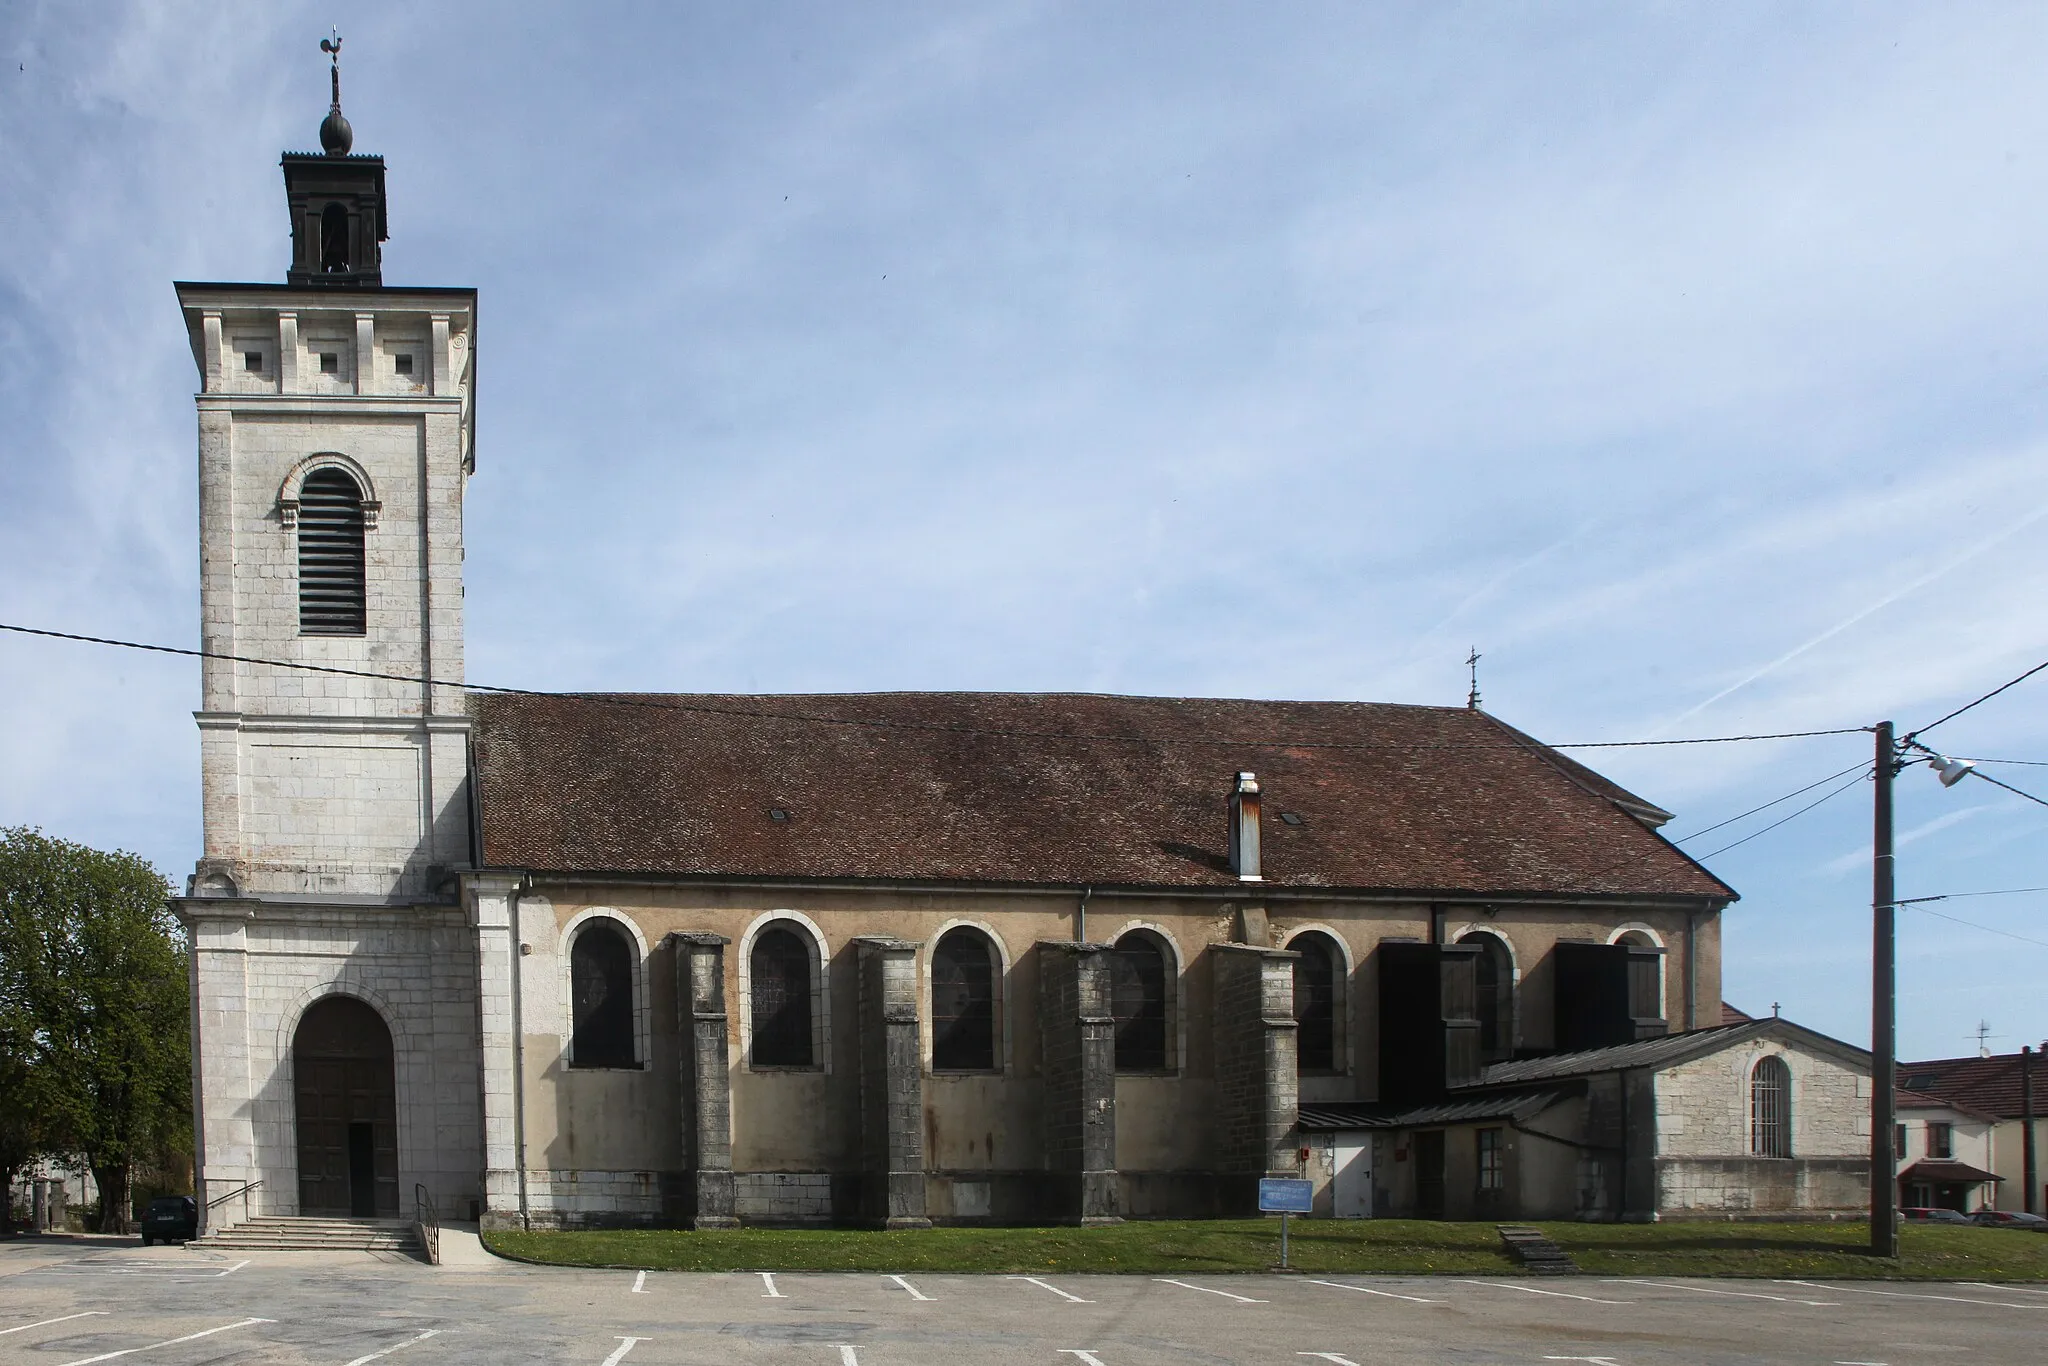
(768, 1279)
(1085, 1357)
(915, 1293)
(23, 1328)
(847, 1357)
(359, 1361)
(1368, 1290)
(1597, 1361)
(640, 1284)
(1329, 1356)
(1735, 1294)
(167, 1342)
(1555, 1294)
(1055, 1290)
(1903, 1295)
(625, 1345)
(2015, 1289)
(1241, 1299)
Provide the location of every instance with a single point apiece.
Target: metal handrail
(428, 1221)
(219, 1200)
(242, 1189)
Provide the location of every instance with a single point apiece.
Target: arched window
(964, 1003)
(780, 979)
(1138, 998)
(331, 594)
(333, 239)
(1770, 1109)
(1316, 975)
(601, 997)
(1493, 977)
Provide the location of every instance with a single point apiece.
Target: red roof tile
(1061, 789)
(1989, 1084)
(1730, 1015)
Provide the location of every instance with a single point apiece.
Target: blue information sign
(1285, 1195)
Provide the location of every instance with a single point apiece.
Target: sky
(1685, 360)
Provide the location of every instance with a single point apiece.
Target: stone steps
(276, 1233)
(1533, 1249)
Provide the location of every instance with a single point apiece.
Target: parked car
(170, 1217)
(2005, 1218)
(1924, 1215)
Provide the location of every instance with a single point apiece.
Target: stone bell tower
(336, 434)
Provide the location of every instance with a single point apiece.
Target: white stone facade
(335, 805)
(1705, 1164)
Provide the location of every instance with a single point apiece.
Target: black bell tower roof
(337, 202)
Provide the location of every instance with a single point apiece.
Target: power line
(671, 704)
(1866, 771)
(1909, 735)
(1957, 920)
(2010, 788)
(1956, 896)
(1771, 803)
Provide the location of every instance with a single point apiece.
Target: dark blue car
(170, 1217)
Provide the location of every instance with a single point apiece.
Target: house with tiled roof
(892, 958)
(2007, 1093)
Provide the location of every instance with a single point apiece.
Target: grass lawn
(1389, 1246)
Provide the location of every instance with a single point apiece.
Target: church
(889, 959)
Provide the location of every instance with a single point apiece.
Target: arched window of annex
(1144, 989)
(966, 969)
(1646, 985)
(786, 1010)
(1494, 993)
(606, 994)
(1321, 1011)
(1770, 1108)
(328, 502)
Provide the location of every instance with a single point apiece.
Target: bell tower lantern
(337, 202)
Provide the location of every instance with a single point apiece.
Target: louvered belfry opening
(331, 590)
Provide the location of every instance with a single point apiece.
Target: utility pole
(2029, 1173)
(1884, 1184)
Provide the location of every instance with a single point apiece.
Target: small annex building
(1759, 1118)
(890, 959)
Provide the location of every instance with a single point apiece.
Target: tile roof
(1062, 789)
(1903, 1099)
(1520, 1105)
(1665, 1050)
(1930, 1169)
(1988, 1084)
(1732, 1015)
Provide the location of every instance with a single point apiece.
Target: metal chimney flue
(1244, 828)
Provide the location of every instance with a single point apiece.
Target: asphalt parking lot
(82, 1304)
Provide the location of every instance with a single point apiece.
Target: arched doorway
(347, 1111)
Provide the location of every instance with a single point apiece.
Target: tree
(94, 1021)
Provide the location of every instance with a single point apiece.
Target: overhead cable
(670, 703)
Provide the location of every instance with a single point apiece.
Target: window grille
(1138, 1003)
(1770, 1109)
(1315, 1003)
(1492, 1156)
(780, 979)
(963, 1003)
(331, 559)
(601, 994)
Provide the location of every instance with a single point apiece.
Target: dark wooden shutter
(331, 562)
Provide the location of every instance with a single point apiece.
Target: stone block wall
(1703, 1106)
(1252, 1006)
(1078, 1059)
(257, 968)
(891, 1085)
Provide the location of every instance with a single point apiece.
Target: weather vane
(1472, 663)
(332, 47)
